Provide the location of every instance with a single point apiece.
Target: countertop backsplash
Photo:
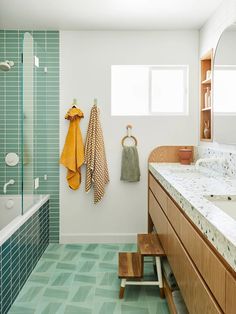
(226, 168)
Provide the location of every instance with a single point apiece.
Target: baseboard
(98, 238)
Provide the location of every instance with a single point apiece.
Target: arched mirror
(224, 91)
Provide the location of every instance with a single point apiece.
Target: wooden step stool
(131, 264)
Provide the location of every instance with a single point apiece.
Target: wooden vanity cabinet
(197, 297)
(231, 294)
(204, 280)
(207, 263)
(159, 193)
(159, 220)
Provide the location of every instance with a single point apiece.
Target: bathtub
(11, 217)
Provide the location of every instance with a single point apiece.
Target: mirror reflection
(225, 88)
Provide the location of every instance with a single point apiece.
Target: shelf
(206, 139)
(206, 82)
(205, 113)
(206, 109)
(207, 56)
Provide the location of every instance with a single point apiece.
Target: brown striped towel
(95, 157)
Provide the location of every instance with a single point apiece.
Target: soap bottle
(207, 98)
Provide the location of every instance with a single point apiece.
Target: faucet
(209, 160)
(6, 185)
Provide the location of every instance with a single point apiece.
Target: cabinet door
(159, 220)
(158, 191)
(201, 254)
(230, 294)
(208, 264)
(174, 215)
(195, 293)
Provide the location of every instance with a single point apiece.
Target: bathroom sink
(186, 173)
(225, 203)
(179, 170)
(183, 171)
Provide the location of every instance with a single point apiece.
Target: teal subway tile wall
(20, 253)
(10, 107)
(45, 128)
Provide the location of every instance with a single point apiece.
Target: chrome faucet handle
(10, 182)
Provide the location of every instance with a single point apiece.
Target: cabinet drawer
(208, 264)
(210, 270)
(174, 215)
(159, 220)
(195, 293)
(159, 193)
(230, 294)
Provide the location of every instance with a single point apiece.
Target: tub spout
(6, 185)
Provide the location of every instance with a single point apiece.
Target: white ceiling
(105, 14)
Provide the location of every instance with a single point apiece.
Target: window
(149, 90)
(224, 90)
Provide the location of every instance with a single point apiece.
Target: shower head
(6, 65)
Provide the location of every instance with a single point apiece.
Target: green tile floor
(82, 279)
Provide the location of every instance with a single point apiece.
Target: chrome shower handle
(10, 182)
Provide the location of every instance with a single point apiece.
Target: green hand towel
(130, 164)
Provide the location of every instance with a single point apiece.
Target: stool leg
(159, 274)
(142, 265)
(154, 266)
(122, 288)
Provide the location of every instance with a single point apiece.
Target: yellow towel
(95, 157)
(72, 156)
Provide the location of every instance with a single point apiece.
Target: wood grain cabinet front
(195, 293)
(207, 263)
(230, 294)
(173, 215)
(159, 220)
(158, 192)
(203, 277)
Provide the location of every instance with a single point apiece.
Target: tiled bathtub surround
(20, 253)
(188, 188)
(46, 116)
(226, 168)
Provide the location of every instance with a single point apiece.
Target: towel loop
(129, 128)
(74, 104)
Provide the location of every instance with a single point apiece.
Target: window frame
(150, 112)
(185, 69)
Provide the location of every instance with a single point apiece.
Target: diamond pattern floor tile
(82, 279)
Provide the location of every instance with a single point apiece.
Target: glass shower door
(34, 120)
(28, 123)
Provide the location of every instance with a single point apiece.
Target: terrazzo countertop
(188, 187)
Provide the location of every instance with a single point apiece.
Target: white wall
(210, 33)
(85, 63)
